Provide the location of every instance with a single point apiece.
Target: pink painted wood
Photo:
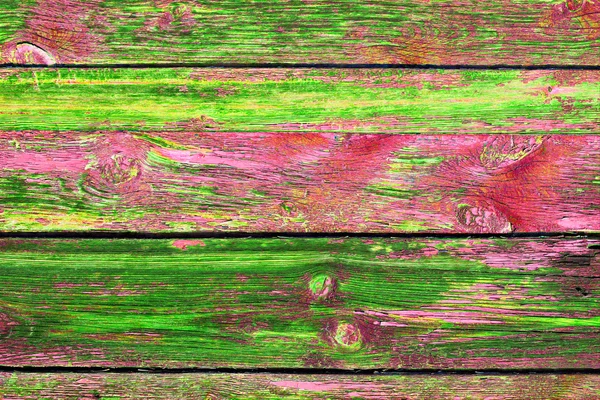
(313, 182)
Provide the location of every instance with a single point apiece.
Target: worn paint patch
(57, 31)
(27, 53)
(184, 244)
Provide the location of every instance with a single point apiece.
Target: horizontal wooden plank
(313, 182)
(517, 32)
(302, 100)
(265, 386)
(301, 302)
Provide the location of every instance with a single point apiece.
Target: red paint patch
(57, 31)
(414, 46)
(502, 183)
(576, 15)
(199, 124)
(6, 324)
(176, 19)
(573, 78)
(183, 244)
(66, 285)
(117, 166)
(350, 162)
(27, 53)
(17, 352)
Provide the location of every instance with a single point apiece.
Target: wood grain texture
(315, 303)
(310, 182)
(471, 32)
(302, 100)
(282, 386)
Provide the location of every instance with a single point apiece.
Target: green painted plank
(285, 386)
(498, 32)
(302, 100)
(301, 302)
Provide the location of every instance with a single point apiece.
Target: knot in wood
(482, 219)
(574, 5)
(322, 286)
(30, 54)
(116, 165)
(348, 336)
(120, 169)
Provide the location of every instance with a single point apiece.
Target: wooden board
(314, 182)
(301, 302)
(181, 121)
(519, 32)
(302, 100)
(269, 386)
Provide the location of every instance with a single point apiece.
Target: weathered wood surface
(313, 182)
(472, 32)
(316, 303)
(302, 100)
(282, 386)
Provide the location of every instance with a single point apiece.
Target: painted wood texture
(301, 302)
(512, 32)
(302, 100)
(313, 182)
(281, 386)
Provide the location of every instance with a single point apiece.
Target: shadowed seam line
(305, 371)
(307, 65)
(276, 235)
